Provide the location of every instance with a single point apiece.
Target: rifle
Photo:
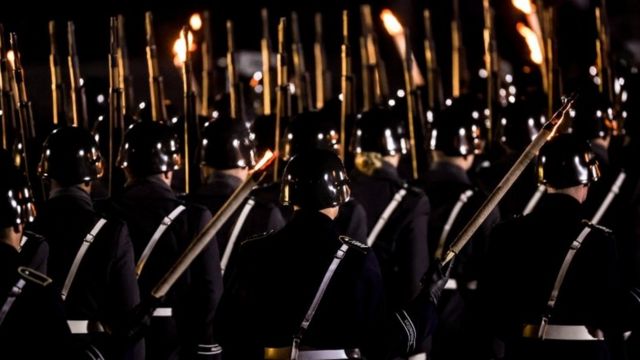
(23, 105)
(547, 132)
(301, 76)
(283, 95)
(156, 82)
(57, 87)
(78, 96)
(265, 50)
(189, 105)
(208, 79)
(125, 75)
(116, 95)
(346, 83)
(323, 76)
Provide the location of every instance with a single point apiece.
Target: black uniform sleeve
(204, 295)
(413, 253)
(124, 292)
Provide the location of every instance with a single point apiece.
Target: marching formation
(280, 219)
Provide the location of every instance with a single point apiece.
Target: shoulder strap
(551, 303)
(26, 274)
(464, 197)
(88, 240)
(164, 224)
(337, 258)
(242, 218)
(384, 217)
(535, 198)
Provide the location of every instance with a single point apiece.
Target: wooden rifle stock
(156, 83)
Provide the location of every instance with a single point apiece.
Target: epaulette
(34, 276)
(596, 227)
(257, 237)
(353, 243)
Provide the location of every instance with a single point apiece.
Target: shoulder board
(597, 227)
(34, 276)
(352, 243)
(258, 236)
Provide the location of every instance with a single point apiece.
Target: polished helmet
(310, 130)
(149, 148)
(17, 205)
(567, 161)
(380, 130)
(456, 131)
(315, 179)
(520, 121)
(70, 156)
(227, 144)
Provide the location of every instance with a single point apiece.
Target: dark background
(576, 32)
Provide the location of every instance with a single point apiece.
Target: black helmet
(310, 130)
(315, 179)
(521, 120)
(16, 199)
(149, 148)
(567, 161)
(456, 130)
(227, 144)
(380, 130)
(70, 155)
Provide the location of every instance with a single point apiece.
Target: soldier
(455, 142)
(315, 130)
(397, 214)
(540, 300)
(227, 154)
(282, 279)
(161, 227)
(32, 320)
(91, 256)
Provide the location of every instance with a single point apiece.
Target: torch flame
(180, 48)
(532, 41)
(266, 159)
(11, 56)
(195, 21)
(391, 23)
(524, 5)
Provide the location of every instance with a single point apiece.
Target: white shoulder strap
(166, 222)
(393, 204)
(464, 197)
(235, 232)
(88, 240)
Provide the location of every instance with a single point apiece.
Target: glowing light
(195, 21)
(400, 93)
(391, 23)
(524, 5)
(11, 56)
(532, 42)
(268, 156)
(180, 48)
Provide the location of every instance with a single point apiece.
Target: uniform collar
(74, 192)
(149, 186)
(314, 217)
(444, 171)
(560, 203)
(218, 177)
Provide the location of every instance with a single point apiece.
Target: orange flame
(195, 21)
(391, 23)
(524, 5)
(266, 159)
(180, 48)
(532, 42)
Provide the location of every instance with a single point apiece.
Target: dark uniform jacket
(351, 220)
(263, 217)
(104, 289)
(401, 246)
(193, 299)
(276, 280)
(525, 257)
(35, 327)
(445, 184)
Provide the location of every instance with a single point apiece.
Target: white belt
(452, 284)
(322, 355)
(562, 332)
(82, 326)
(163, 312)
